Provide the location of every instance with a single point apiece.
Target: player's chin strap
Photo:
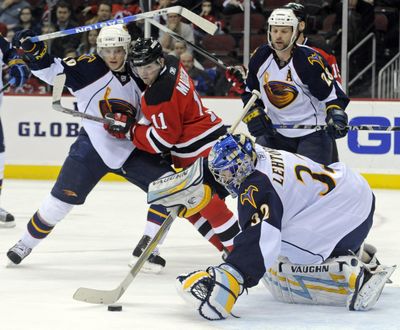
(185, 189)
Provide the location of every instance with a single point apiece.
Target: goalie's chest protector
(320, 204)
(98, 91)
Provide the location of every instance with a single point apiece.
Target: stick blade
(201, 22)
(58, 87)
(93, 296)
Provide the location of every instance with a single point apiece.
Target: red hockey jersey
(179, 122)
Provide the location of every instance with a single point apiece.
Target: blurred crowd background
(323, 26)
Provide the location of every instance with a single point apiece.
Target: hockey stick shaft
(99, 25)
(256, 95)
(58, 86)
(11, 82)
(198, 49)
(94, 296)
(202, 23)
(350, 127)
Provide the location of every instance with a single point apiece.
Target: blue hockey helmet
(231, 160)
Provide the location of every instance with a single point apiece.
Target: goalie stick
(106, 297)
(11, 82)
(199, 21)
(58, 86)
(349, 127)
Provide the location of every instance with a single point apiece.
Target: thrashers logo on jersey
(248, 196)
(315, 58)
(115, 105)
(280, 93)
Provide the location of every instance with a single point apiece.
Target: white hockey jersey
(298, 209)
(296, 92)
(98, 90)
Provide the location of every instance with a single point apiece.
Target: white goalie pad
(330, 283)
(344, 281)
(185, 188)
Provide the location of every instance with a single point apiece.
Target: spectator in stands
(202, 81)
(231, 7)
(118, 10)
(88, 44)
(174, 23)
(9, 12)
(391, 9)
(104, 10)
(27, 22)
(208, 12)
(64, 21)
(180, 47)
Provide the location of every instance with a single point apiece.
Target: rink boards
(38, 138)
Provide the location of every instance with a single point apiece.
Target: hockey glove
(213, 292)
(236, 75)
(258, 123)
(19, 72)
(33, 51)
(337, 122)
(122, 126)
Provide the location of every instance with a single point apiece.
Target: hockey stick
(350, 127)
(198, 49)
(58, 87)
(256, 95)
(202, 23)
(11, 82)
(106, 297)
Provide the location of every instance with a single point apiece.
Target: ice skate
(18, 252)
(154, 264)
(6, 219)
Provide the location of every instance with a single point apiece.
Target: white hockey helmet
(114, 36)
(283, 17)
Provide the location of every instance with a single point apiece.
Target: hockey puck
(114, 308)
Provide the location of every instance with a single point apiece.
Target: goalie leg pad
(212, 293)
(330, 283)
(370, 289)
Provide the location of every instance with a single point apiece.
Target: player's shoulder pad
(258, 196)
(259, 56)
(83, 70)
(163, 88)
(307, 58)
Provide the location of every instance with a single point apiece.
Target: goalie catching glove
(212, 293)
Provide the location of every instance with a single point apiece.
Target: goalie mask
(231, 160)
(283, 17)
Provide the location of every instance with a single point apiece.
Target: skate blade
(148, 267)
(8, 224)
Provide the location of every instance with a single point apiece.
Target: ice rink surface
(91, 248)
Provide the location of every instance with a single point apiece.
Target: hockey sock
(155, 217)
(222, 220)
(37, 230)
(205, 229)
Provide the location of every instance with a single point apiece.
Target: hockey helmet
(113, 36)
(231, 160)
(298, 9)
(145, 51)
(283, 17)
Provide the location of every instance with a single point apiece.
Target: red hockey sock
(205, 229)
